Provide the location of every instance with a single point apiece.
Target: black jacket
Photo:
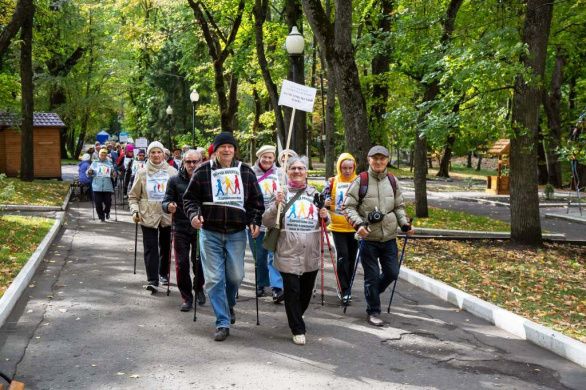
(175, 189)
(218, 218)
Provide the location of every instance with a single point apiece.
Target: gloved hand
(135, 217)
(405, 228)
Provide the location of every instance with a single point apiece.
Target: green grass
(37, 192)
(456, 220)
(543, 284)
(69, 161)
(19, 238)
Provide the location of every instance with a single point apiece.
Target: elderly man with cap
(267, 175)
(102, 172)
(375, 208)
(144, 199)
(223, 199)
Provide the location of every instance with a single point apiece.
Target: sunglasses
(191, 161)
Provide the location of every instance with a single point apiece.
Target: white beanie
(155, 144)
(290, 152)
(86, 157)
(266, 149)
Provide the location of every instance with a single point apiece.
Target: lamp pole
(194, 97)
(294, 44)
(169, 112)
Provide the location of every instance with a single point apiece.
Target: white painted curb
(476, 233)
(20, 283)
(567, 217)
(549, 339)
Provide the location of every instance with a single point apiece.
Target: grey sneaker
(201, 298)
(164, 281)
(186, 306)
(152, 288)
(221, 334)
(375, 320)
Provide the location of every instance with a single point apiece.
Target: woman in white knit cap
(144, 200)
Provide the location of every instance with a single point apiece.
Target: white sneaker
(299, 339)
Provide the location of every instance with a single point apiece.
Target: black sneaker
(221, 334)
(232, 316)
(152, 288)
(278, 296)
(107, 215)
(201, 298)
(186, 306)
(260, 292)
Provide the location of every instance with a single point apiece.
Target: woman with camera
(297, 254)
(346, 245)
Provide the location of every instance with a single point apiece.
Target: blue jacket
(82, 171)
(102, 183)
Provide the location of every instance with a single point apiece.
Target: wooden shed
(46, 144)
(499, 184)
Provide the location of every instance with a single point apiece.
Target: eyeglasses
(191, 161)
(297, 169)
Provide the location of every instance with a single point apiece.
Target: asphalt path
(86, 322)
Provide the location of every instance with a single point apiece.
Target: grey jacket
(379, 194)
(297, 252)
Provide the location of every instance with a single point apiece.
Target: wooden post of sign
(278, 223)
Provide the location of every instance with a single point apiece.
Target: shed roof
(500, 147)
(40, 119)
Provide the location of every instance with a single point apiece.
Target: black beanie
(225, 137)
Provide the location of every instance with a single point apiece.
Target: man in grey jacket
(375, 208)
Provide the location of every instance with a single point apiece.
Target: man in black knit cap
(223, 199)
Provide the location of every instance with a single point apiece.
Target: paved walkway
(87, 323)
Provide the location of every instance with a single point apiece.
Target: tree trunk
(420, 176)
(335, 42)
(525, 222)
(27, 169)
(479, 164)
(469, 160)
(18, 18)
(552, 104)
(380, 66)
(444, 167)
(260, 15)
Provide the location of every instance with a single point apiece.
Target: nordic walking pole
(195, 280)
(395, 284)
(346, 303)
(338, 285)
(135, 244)
(253, 246)
(321, 247)
(170, 258)
(115, 210)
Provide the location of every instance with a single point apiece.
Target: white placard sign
(141, 142)
(297, 96)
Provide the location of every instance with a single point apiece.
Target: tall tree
(18, 18)
(27, 168)
(335, 42)
(220, 47)
(525, 223)
(260, 12)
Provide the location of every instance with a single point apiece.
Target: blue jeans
(222, 259)
(375, 282)
(262, 270)
(274, 274)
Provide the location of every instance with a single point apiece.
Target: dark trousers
(346, 248)
(375, 281)
(157, 248)
(182, 244)
(298, 290)
(103, 202)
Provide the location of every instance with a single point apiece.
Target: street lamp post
(295, 45)
(169, 112)
(194, 97)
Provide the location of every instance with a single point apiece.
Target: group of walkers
(209, 209)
